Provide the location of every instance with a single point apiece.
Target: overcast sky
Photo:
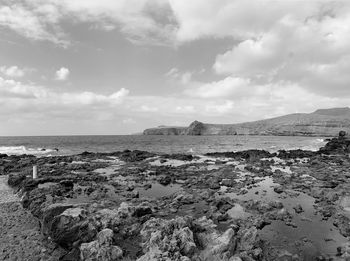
(119, 66)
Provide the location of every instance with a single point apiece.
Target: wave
(20, 150)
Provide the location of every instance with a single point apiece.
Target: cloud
(147, 108)
(62, 74)
(308, 50)
(36, 96)
(230, 86)
(12, 71)
(142, 21)
(175, 75)
(34, 22)
(129, 121)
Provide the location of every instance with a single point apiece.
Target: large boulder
(214, 246)
(169, 239)
(15, 179)
(71, 228)
(102, 248)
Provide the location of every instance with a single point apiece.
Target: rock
(217, 245)
(15, 179)
(102, 248)
(248, 239)
(50, 212)
(164, 180)
(285, 256)
(298, 209)
(135, 194)
(342, 133)
(338, 145)
(228, 182)
(169, 239)
(71, 226)
(278, 189)
(142, 210)
(195, 128)
(342, 222)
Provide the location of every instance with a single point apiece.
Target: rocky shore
(136, 205)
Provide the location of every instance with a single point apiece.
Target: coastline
(148, 206)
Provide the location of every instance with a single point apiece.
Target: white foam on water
(19, 150)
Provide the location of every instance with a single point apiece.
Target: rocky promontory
(231, 206)
(323, 122)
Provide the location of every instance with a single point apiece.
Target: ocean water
(68, 145)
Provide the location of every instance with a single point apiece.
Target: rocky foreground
(135, 205)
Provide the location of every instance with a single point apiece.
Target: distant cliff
(323, 122)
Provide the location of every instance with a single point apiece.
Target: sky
(80, 67)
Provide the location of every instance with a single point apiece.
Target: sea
(197, 145)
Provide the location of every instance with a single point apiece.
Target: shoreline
(146, 206)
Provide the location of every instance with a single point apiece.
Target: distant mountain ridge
(322, 122)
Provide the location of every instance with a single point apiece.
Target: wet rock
(295, 154)
(102, 248)
(183, 157)
(142, 210)
(250, 155)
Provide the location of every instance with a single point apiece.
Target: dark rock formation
(195, 128)
(339, 145)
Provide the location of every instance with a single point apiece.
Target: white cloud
(39, 95)
(185, 109)
(12, 71)
(181, 77)
(147, 108)
(62, 74)
(34, 22)
(220, 108)
(240, 19)
(230, 86)
(129, 121)
(142, 21)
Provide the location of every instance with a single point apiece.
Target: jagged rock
(15, 179)
(168, 239)
(248, 239)
(102, 248)
(278, 189)
(71, 226)
(342, 133)
(342, 222)
(217, 247)
(164, 180)
(298, 209)
(340, 145)
(228, 182)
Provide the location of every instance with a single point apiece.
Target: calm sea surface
(66, 145)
